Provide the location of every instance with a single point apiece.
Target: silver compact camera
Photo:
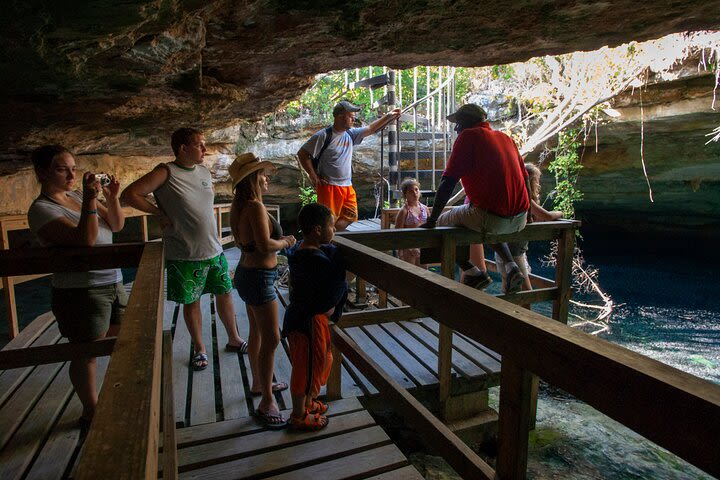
(103, 178)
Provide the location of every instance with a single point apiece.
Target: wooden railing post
(514, 421)
(334, 384)
(9, 289)
(447, 259)
(563, 274)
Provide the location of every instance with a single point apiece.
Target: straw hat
(244, 165)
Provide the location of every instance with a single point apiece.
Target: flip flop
(309, 423)
(316, 406)
(269, 420)
(242, 348)
(199, 362)
(276, 387)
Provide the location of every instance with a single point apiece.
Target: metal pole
(394, 176)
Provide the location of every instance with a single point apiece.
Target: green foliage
(502, 72)
(566, 167)
(307, 195)
(318, 100)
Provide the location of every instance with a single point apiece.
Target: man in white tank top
(193, 254)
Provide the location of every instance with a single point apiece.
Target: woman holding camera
(87, 305)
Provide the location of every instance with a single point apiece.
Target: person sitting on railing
(327, 159)
(537, 214)
(259, 237)
(87, 305)
(194, 257)
(411, 215)
(318, 291)
(492, 172)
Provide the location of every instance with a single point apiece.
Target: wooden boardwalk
(39, 437)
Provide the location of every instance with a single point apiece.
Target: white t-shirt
(336, 162)
(42, 211)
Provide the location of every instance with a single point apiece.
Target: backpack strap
(328, 137)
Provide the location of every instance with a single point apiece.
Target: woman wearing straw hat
(259, 237)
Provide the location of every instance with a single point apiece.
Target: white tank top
(187, 198)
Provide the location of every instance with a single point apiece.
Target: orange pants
(311, 358)
(341, 201)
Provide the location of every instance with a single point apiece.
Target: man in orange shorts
(317, 293)
(327, 159)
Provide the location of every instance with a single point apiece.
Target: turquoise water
(667, 310)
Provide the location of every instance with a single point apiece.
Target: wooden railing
(9, 223)
(674, 409)
(125, 431)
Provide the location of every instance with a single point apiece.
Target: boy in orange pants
(318, 291)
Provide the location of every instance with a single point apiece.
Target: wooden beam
(23, 261)
(380, 315)
(424, 238)
(61, 352)
(563, 275)
(444, 442)
(628, 387)
(445, 335)
(514, 422)
(170, 457)
(127, 416)
(531, 296)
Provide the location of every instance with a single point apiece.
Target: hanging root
(585, 281)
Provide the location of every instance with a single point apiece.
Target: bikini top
(275, 233)
(413, 220)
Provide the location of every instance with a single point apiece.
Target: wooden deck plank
(461, 364)
(24, 400)
(181, 367)
(406, 473)
(419, 350)
(207, 454)
(369, 462)
(297, 456)
(480, 356)
(202, 401)
(59, 449)
(234, 404)
(18, 454)
(32, 332)
(10, 380)
(369, 346)
(359, 380)
(418, 372)
(231, 428)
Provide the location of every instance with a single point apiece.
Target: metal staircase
(418, 145)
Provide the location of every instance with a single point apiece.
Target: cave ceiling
(119, 76)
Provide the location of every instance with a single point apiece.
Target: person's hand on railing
(429, 224)
(289, 240)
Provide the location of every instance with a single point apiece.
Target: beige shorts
(482, 221)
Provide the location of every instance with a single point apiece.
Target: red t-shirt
(491, 170)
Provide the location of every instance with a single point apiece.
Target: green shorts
(85, 314)
(187, 280)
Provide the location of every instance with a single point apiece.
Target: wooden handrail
(22, 261)
(461, 457)
(674, 409)
(61, 352)
(128, 411)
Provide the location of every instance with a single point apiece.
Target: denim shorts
(256, 286)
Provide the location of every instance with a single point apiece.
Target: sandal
(316, 406)
(269, 420)
(199, 361)
(242, 348)
(276, 387)
(309, 423)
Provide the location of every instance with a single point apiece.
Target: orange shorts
(341, 201)
(311, 358)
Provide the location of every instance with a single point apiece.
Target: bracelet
(91, 212)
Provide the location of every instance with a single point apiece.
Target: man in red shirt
(493, 174)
